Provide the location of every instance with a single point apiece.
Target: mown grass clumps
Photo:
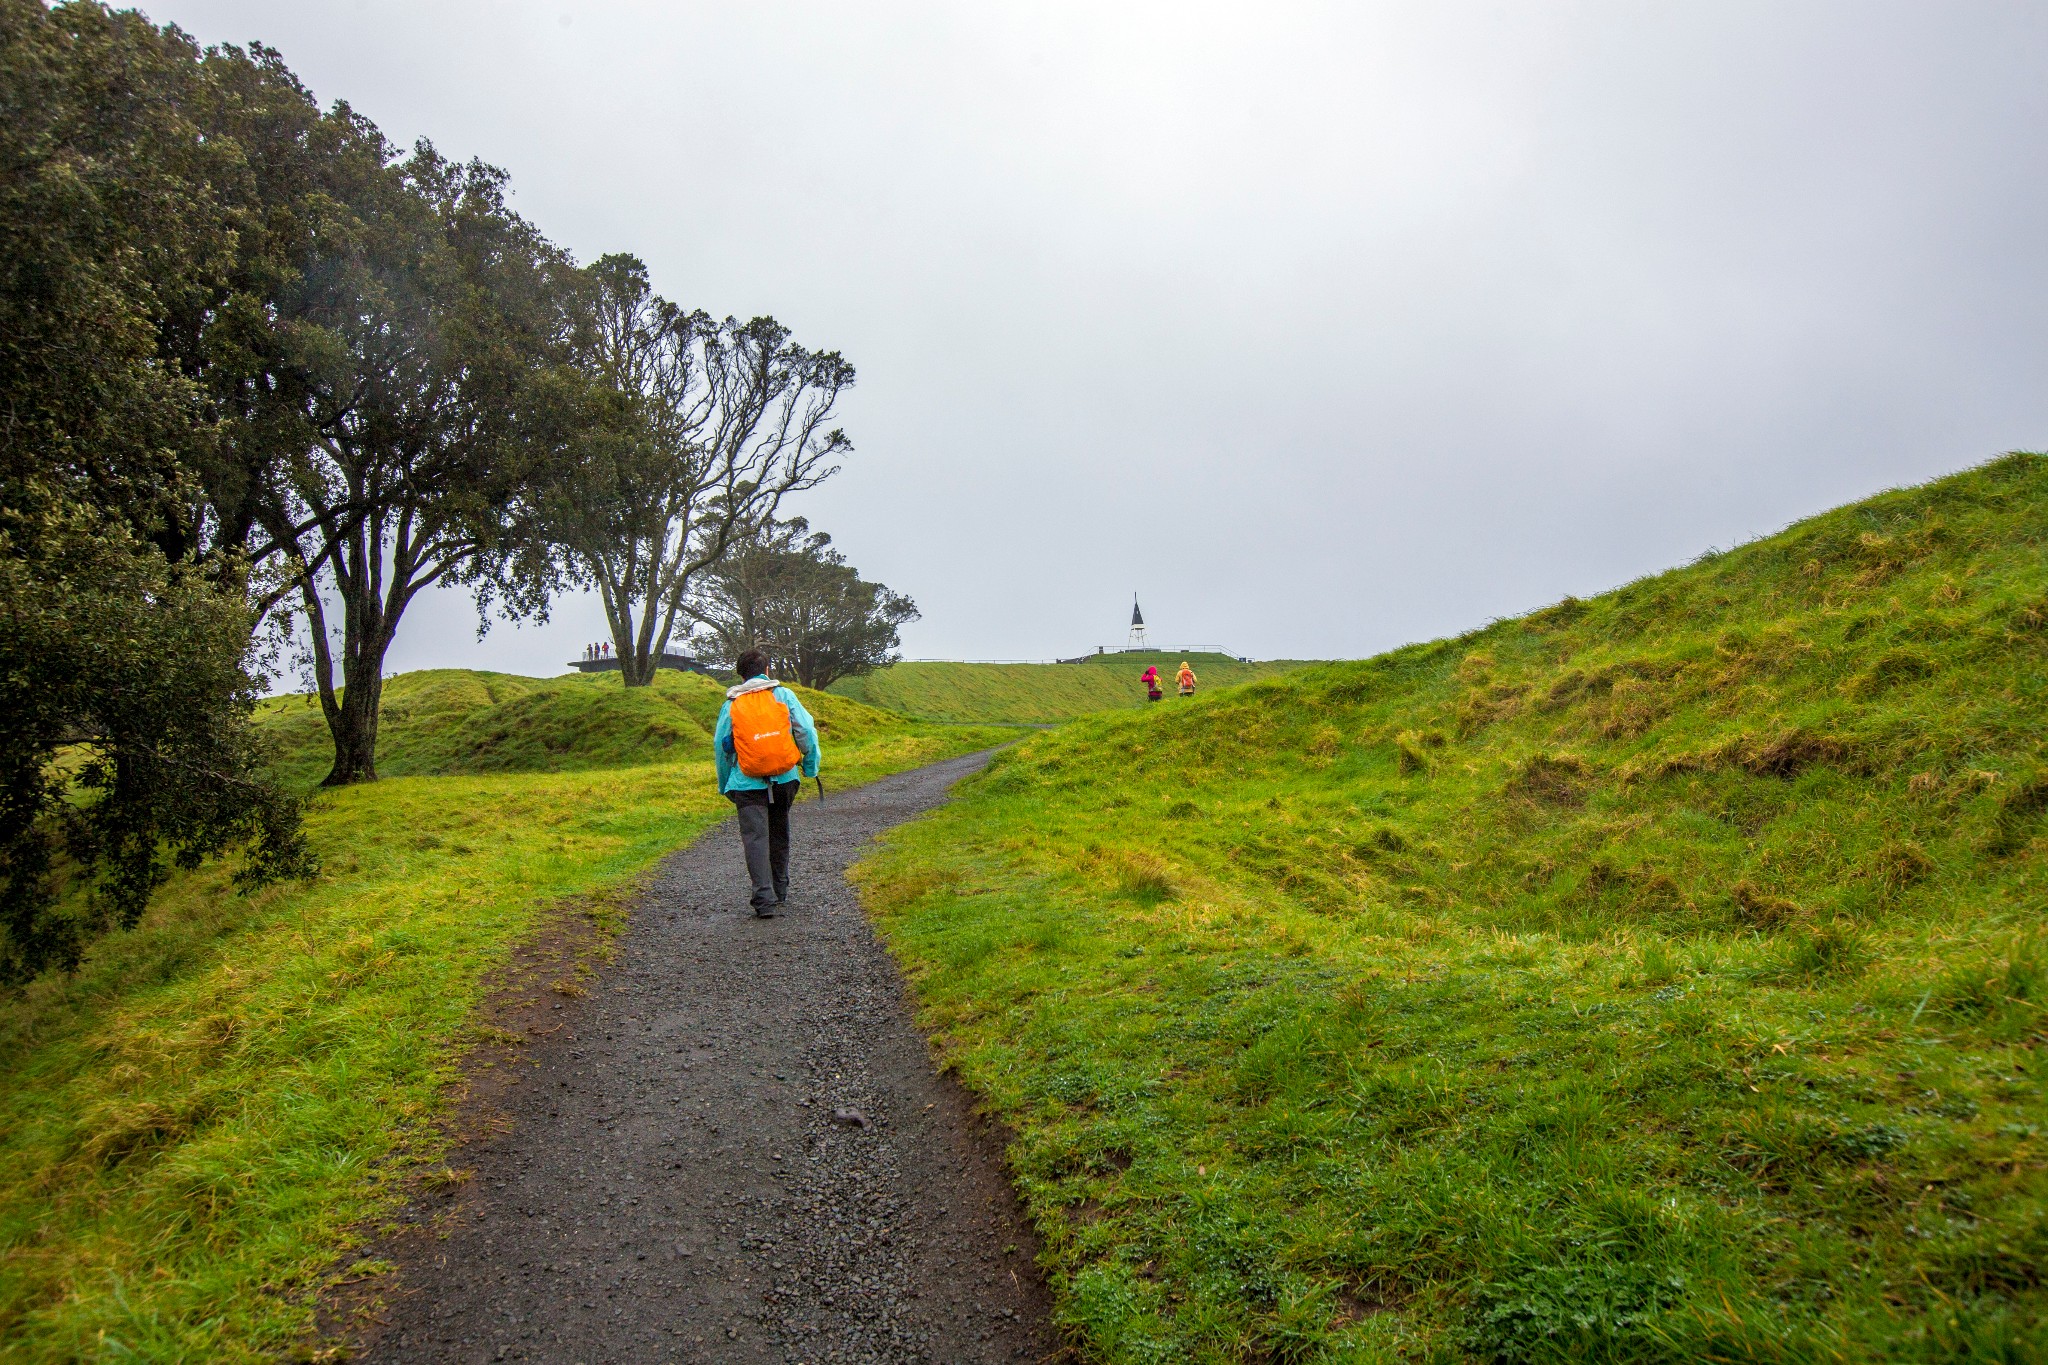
(445, 721)
(1657, 977)
(198, 1125)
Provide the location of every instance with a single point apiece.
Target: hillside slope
(445, 721)
(1039, 694)
(1655, 977)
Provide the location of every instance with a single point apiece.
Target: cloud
(1322, 327)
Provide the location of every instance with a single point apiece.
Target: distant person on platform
(1186, 679)
(1150, 678)
(766, 744)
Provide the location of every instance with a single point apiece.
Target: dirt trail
(735, 1150)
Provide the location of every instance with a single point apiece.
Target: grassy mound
(1039, 694)
(450, 720)
(1656, 977)
(198, 1126)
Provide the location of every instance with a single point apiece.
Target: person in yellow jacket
(1186, 679)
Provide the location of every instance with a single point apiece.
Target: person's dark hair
(752, 664)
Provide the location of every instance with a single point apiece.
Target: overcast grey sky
(1324, 328)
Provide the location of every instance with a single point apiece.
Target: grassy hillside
(1658, 977)
(196, 1128)
(1038, 694)
(455, 720)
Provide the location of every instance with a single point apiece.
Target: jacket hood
(750, 685)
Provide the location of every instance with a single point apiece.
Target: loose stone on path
(736, 1150)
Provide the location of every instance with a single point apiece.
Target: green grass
(1040, 694)
(197, 1128)
(454, 720)
(1659, 977)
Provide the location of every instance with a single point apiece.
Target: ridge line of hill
(1042, 693)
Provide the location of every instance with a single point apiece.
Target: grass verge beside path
(196, 1126)
(1661, 977)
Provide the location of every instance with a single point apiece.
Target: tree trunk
(354, 723)
(632, 626)
(636, 656)
(369, 621)
(635, 668)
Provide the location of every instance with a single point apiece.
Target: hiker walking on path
(1151, 680)
(1186, 679)
(766, 744)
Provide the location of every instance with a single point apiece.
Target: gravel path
(735, 1150)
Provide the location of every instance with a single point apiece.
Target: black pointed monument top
(1137, 617)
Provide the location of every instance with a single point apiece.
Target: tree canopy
(124, 616)
(421, 342)
(710, 426)
(782, 588)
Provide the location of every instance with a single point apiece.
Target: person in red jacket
(1151, 681)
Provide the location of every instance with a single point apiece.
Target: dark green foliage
(107, 222)
(129, 669)
(783, 589)
(432, 339)
(126, 233)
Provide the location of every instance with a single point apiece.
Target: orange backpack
(760, 735)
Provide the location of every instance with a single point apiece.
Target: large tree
(703, 429)
(124, 695)
(365, 359)
(782, 588)
(426, 345)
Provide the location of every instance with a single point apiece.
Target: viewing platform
(682, 663)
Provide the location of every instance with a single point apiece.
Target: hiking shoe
(766, 911)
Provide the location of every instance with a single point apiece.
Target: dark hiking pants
(764, 831)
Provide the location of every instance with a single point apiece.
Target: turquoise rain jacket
(802, 729)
